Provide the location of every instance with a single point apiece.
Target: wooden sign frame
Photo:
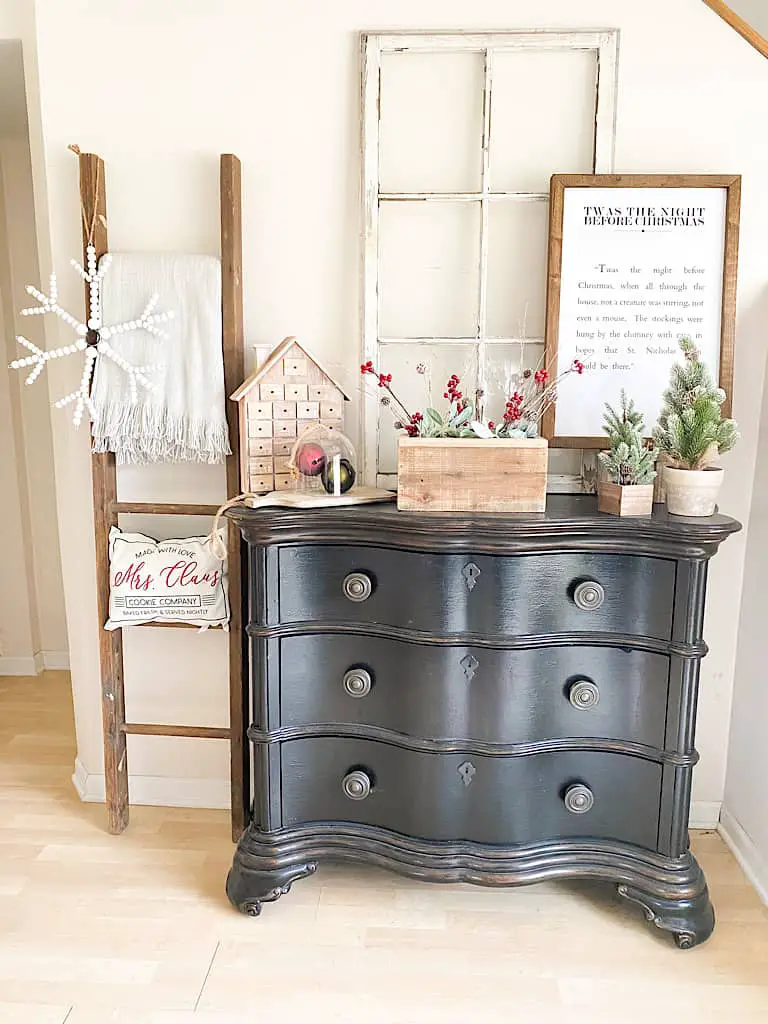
(731, 184)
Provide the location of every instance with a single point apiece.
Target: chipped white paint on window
(461, 133)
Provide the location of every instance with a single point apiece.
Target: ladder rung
(195, 731)
(159, 508)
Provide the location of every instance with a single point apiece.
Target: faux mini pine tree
(629, 461)
(691, 430)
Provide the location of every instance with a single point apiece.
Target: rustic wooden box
(636, 500)
(659, 496)
(472, 474)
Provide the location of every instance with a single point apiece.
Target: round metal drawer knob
(584, 694)
(588, 595)
(356, 785)
(578, 799)
(357, 682)
(357, 586)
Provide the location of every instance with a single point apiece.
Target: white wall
(19, 623)
(744, 820)
(167, 88)
(34, 427)
(19, 627)
(16, 21)
(32, 618)
(745, 805)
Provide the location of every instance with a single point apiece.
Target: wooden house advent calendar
(289, 392)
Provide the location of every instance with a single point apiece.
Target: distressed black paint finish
(467, 720)
(570, 523)
(508, 799)
(522, 596)
(671, 891)
(495, 696)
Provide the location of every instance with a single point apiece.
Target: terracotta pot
(692, 492)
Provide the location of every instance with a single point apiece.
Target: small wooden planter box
(635, 500)
(472, 474)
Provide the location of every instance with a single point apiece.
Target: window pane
(517, 268)
(428, 269)
(431, 122)
(499, 366)
(419, 390)
(542, 117)
(565, 462)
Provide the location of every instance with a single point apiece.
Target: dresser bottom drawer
(502, 800)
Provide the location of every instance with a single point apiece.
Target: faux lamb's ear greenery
(690, 429)
(628, 461)
(457, 423)
(520, 428)
(480, 429)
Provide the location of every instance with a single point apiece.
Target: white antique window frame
(374, 45)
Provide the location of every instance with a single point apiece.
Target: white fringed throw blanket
(183, 419)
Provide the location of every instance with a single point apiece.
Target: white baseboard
(18, 667)
(752, 862)
(156, 790)
(55, 660)
(704, 814)
(80, 781)
(34, 665)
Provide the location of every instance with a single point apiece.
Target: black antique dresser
(496, 699)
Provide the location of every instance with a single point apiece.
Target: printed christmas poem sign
(640, 268)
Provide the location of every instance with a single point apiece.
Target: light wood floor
(136, 929)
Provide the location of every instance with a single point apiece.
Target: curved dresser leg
(691, 921)
(248, 889)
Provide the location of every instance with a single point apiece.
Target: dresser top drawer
(525, 595)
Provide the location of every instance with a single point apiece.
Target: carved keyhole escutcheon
(469, 665)
(471, 575)
(467, 772)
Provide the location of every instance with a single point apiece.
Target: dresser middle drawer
(480, 694)
(515, 595)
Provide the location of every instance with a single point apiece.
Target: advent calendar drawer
(483, 799)
(453, 594)
(466, 693)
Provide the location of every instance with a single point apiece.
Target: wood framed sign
(635, 262)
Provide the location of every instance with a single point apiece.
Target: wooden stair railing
(738, 23)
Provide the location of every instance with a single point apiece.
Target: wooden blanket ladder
(107, 508)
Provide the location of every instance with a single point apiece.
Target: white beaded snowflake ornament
(93, 337)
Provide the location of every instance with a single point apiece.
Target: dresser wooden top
(570, 522)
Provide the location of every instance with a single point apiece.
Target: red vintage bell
(310, 459)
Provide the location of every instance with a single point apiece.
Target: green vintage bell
(346, 475)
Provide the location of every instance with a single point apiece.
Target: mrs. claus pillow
(167, 580)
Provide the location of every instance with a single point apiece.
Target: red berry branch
(538, 390)
(409, 421)
(535, 392)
